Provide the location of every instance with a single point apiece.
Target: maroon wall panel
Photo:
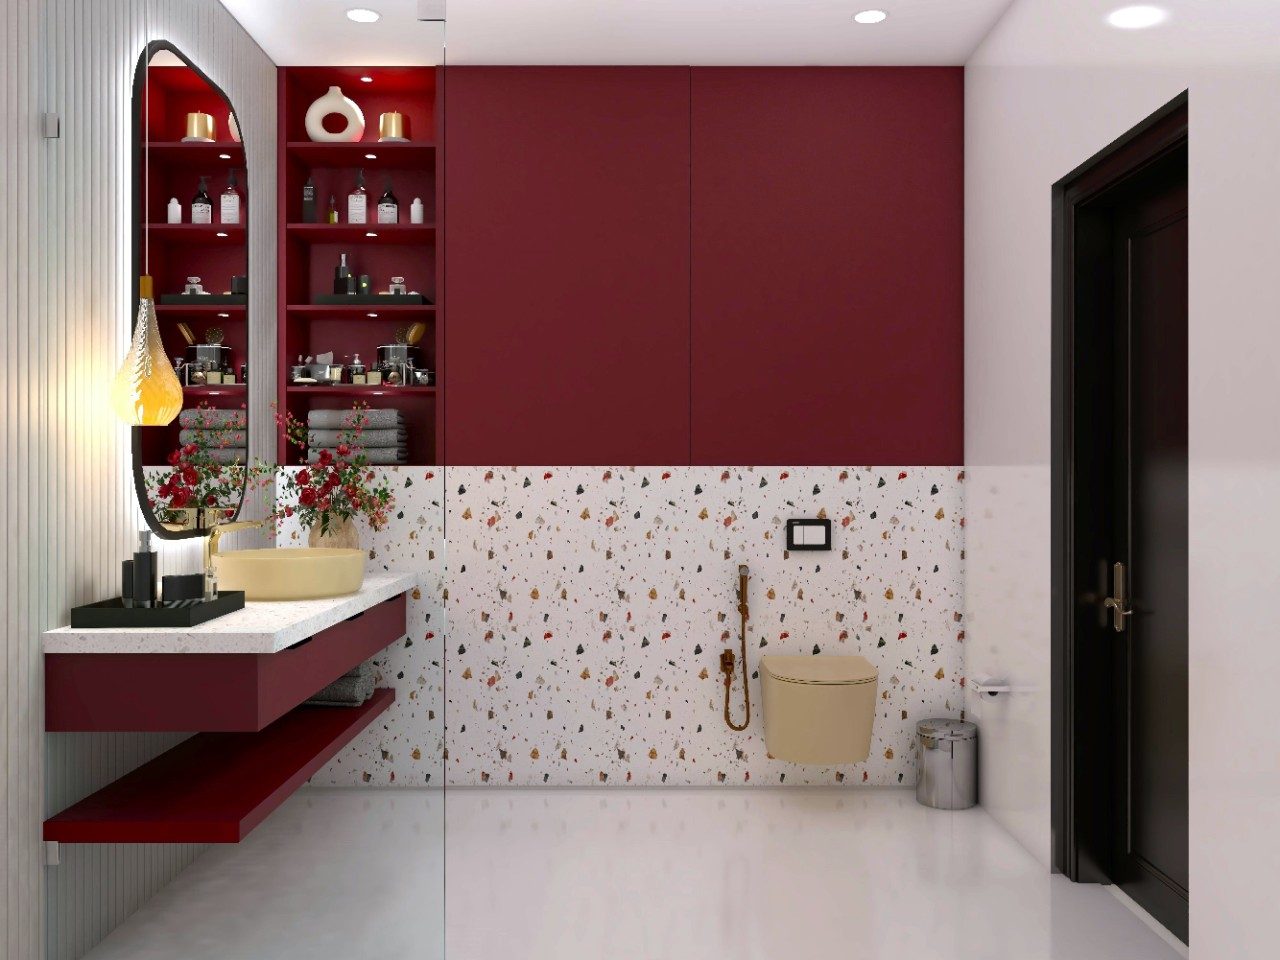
(827, 266)
(567, 265)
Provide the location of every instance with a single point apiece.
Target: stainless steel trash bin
(947, 774)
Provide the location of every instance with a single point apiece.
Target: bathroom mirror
(190, 236)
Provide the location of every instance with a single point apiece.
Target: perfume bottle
(358, 201)
(201, 205)
(229, 208)
(309, 201)
(343, 281)
(332, 215)
(388, 206)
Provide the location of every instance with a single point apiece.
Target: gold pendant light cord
(727, 665)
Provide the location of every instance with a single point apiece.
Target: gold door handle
(1118, 603)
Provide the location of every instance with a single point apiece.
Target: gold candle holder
(391, 128)
(200, 127)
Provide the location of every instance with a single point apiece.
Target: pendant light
(146, 391)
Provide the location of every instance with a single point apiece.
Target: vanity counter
(260, 628)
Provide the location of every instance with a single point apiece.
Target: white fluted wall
(65, 483)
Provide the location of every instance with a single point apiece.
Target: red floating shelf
(386, 156)
(350, 390)
(323, 310)
(200, 311)
(373, 233)
(231, 154)
(217, 390)
(197, 232)
(215, 787)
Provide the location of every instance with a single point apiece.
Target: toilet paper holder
(991, 687)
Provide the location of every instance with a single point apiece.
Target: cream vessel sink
(304, 573)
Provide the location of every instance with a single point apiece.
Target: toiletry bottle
(342, 279)
(201, 205)
(175, 211)
(126, 584)
(416, 211)
(333, 210)
(229, 209)
(144, 572)
(388, 206)
(358, 201)
(309, 201)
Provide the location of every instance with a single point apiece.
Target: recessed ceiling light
(870, 16)
(366, 79)
(364, 15)
(1137, 18)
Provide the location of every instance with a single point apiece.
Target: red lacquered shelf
(362, 232)
(200, 311)
(326, 310)
(386, 156)
(349, 390)
(214, 390)
(229, 153)
(197, 232)
(215, 787)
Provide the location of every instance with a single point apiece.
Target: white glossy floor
(708, 874)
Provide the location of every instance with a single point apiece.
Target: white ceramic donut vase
(335, 102)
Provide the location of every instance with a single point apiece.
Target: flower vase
(342, 534)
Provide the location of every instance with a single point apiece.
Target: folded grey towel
(349, 690)
(374, 456)
(391, 437)
(195, 419)
(338, 419)
(236, 438)
(229, 455)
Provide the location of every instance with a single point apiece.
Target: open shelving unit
(309, 252)
(168, 167)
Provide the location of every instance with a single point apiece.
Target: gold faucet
(211, 550)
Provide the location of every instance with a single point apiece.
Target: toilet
(818, 709)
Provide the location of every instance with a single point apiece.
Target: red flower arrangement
(197, 477)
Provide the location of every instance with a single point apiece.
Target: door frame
(1079, 810)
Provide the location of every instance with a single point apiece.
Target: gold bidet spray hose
(726, 658)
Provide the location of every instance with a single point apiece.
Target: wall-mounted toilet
(818, 709)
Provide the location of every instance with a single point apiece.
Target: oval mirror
(190, 237)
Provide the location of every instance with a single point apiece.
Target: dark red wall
(741, 265)
(828, 286)
(567, 265)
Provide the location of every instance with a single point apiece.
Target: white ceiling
(746, 32)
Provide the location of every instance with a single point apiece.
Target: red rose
(308, 497)
(304, 477)
(344, 450)
(288, 511)
(180, 497)
(326, 458)
(190, 476)
(210, 500)
(174, 457)
(189, 449)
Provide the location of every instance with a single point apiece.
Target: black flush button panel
(808, 534)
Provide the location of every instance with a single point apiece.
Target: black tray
(367, 299)
(212, 299)
(113, 613)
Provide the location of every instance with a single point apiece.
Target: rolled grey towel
(349, 690)
(229, 455)
(196, 419)
(340, 419)
(236, 438)
(390, 437)
(374, 456)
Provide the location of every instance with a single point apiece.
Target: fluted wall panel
(65, 475)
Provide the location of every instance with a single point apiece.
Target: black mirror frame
(139, 83)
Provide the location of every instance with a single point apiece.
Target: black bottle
(343, 281)
(388, 206)
(144, 572)
(309, 201)
(201, 205)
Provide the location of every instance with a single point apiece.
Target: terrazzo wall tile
(406, 744)
(587, 608)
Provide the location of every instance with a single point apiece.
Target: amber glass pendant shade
(146, 391)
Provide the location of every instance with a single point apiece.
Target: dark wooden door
(1149, 537)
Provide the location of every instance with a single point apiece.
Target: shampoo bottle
(144, 572)
(388, 206)
(201, 205)
(309, 201)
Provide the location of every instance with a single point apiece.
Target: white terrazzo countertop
(261, 627)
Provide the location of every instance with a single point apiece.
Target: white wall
(1051, 86)
(66, 492)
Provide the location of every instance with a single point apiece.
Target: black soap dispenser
(144, 572)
